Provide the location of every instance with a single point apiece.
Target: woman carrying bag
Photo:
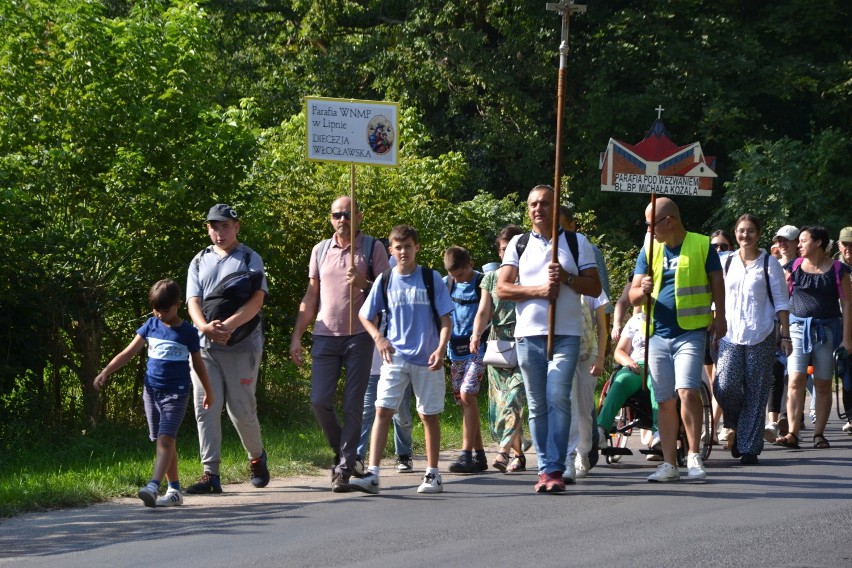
(755, 296)
(506, 395)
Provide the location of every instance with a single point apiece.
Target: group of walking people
(387, 324)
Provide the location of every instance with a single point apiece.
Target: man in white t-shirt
(540, 282)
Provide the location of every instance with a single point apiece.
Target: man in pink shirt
(339, 338)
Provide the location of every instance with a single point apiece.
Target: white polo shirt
(532, 315)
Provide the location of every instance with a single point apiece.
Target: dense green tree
(111, 146)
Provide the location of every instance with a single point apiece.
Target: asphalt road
(793, 509)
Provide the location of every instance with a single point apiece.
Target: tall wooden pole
(351, 239)
(651, 228)
(564, 9)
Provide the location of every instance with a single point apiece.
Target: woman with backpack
(755, 295)
(820, 320)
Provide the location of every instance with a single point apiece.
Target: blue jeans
(548, 385)
(401, 421)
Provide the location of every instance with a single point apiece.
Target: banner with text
(352, 131)
(657, 165)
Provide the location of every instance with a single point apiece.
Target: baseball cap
(788, 232)
(845, 235)
(221, 212)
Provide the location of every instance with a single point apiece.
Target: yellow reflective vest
(692, 287)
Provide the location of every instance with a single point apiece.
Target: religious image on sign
(380, 134)
(656, 164)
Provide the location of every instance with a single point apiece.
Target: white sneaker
(570, 473)
(367, 484)
(770, 432)
(581, 466)
(848, 427)
(723, 435)
(148, 494)
(665, 472)
(432, 483)
(696, 467)
(172, 498)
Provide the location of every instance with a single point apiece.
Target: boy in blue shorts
(171, 343)
(466, 367)
(418, 329)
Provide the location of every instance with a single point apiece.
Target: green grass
(114, 460)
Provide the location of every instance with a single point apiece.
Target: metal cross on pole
(564, 8)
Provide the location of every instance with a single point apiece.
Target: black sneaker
(340, 483)
(207, 483)
(404, 463)
(481, 461)
(259, 471)
(464, 464)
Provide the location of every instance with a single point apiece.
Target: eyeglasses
(721, 246)
(337, 215)
(658, 221)
(746, 231)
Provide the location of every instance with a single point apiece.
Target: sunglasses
(721, 246)
(658, 221)
(337, 215)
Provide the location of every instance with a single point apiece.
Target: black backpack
(230, 294)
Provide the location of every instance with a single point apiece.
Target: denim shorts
(676, 363)
(821, 355)
(164, 411)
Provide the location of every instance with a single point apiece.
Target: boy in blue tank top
(172, 342)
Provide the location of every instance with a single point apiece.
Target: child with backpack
(172, 343)
(417, 307)
(466, 367)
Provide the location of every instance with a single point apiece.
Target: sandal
(731, 443)
(788, 441)
(822, 444)
(519, 463)
(501, 461)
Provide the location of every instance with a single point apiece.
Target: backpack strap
(429, 283)
(796, 264)
(368, 246)
(386, 276)
(522, 243)
(574, 246)
(837, 271)
(198, 259)
(323, 250)
(766, 279)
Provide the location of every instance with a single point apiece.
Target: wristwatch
(570, 279)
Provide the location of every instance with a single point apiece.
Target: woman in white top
(755, 294)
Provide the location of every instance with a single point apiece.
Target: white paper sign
(351, 131)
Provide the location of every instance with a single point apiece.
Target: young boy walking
(466, 367)
(417, 306)
(172, 342)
